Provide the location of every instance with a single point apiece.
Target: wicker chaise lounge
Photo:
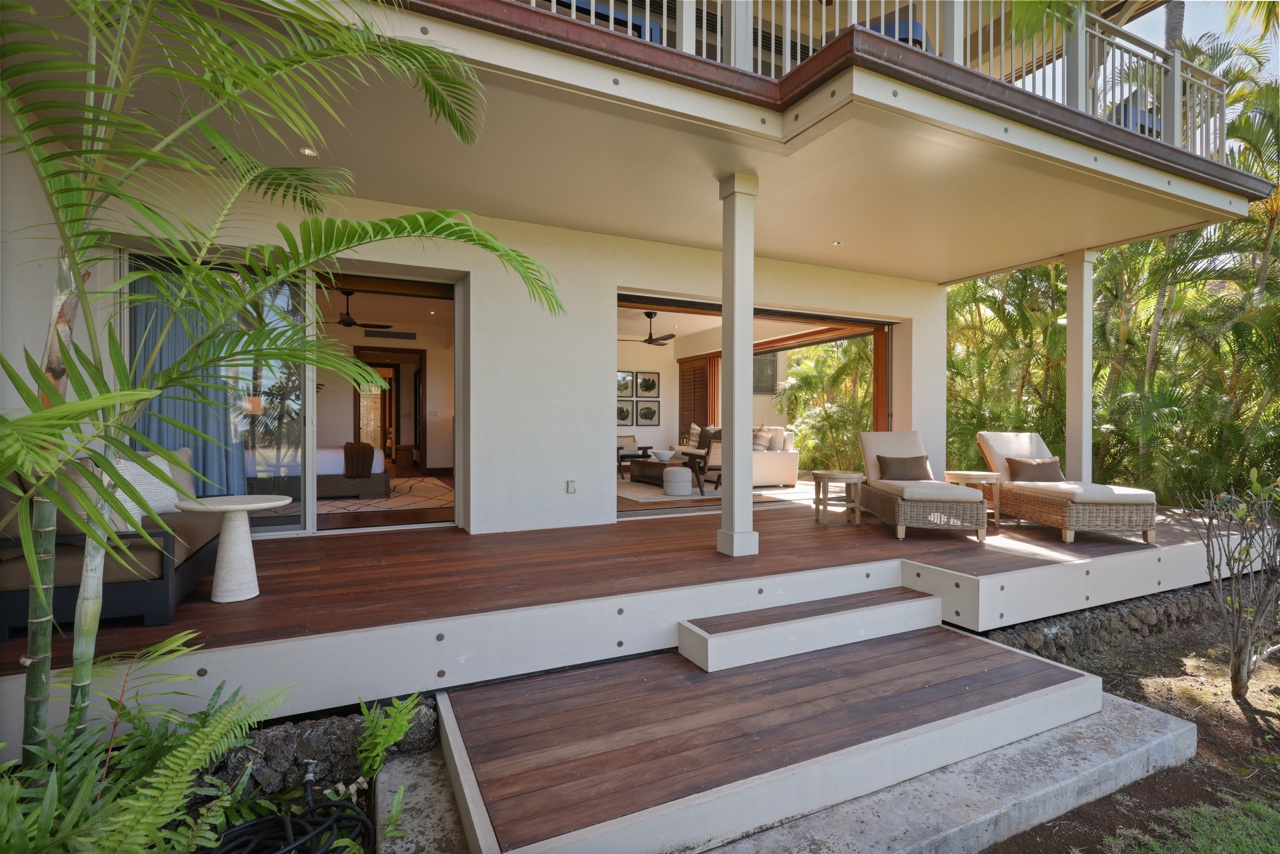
(916, 503)
(1069, 505)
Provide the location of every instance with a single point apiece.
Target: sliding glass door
(247, 429)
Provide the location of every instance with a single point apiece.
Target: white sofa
(768, 468)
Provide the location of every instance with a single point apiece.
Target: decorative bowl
(663, 456)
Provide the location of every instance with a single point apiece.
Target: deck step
(652, 755)
(747, 637)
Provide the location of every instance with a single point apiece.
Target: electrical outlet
(570, 486)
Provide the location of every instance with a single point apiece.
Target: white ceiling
(904, 198)
(383, 308)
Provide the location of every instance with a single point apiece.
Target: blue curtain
(221, 461)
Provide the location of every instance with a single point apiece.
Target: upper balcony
(1091, 65)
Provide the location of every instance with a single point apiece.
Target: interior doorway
(817, 380)
(405, 331)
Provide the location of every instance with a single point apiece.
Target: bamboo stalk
(35, 717)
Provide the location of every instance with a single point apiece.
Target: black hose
(314, 830)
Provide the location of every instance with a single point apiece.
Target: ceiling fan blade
(657, 342)
(374, 325)
(634, 340)
(666, 337)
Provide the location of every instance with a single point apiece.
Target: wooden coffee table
(650, 470)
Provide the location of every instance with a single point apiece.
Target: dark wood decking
(559, 752)
(799, 611)
(313, 585)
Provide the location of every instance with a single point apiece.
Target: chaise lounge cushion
(926, 490)
(1086, 493)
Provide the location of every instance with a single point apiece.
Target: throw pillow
(694, 432)
(1035, 471)
(776, 435)
(789, 441)
(760, 438)
(160, 497)
(904, 468)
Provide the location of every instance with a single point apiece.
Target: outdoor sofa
(1057, 502)
(151, 588)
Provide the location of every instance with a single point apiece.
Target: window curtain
(220, 460)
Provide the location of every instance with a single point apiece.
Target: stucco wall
(540, 387)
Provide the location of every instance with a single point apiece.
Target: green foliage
(128, 785)
(383, 729)
(828, 400)
(646, 413)
(1250, 827)
(648, 384)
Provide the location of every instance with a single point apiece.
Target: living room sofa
(151, 588)
(768, 468)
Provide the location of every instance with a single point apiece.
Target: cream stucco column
(738, 195)
(1079, 450)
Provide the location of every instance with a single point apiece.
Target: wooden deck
(315, 585)
(560, 752)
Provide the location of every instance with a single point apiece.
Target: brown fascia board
(854, 48)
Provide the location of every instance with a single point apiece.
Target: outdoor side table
(235, 575)
(979, 478)
(851, 500)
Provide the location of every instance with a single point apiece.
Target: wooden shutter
(699, 392)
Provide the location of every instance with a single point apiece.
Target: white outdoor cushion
(904, 443)
(998, 447)
(1087, 493)
(927, 490)
(777, 435)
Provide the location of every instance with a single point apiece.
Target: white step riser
(779, 640)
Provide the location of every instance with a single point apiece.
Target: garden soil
(1182, 672)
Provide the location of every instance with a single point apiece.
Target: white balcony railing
(1092, 66)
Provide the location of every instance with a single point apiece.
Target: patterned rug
(801, 493)
(407, 493)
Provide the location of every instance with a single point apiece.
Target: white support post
(1079, 450)
(687, 26)
(738, 194)
(1075, 49)
(1171, 102)
(738, 25)
(951, 41)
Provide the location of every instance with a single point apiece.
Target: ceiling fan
(345, 318)
(660, 341)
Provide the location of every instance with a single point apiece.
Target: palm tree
(72, 90)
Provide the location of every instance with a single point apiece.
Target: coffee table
(650, 470)
(235, 575)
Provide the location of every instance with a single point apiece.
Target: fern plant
(127, 783)
(383, 728)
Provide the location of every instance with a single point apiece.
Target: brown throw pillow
(904, 468)
(1035, 471)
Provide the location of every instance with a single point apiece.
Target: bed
(278, 471)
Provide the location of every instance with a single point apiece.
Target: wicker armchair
(916, 503)
(1069, 505)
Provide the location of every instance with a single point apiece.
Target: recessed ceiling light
(837, 243)
(308, 151)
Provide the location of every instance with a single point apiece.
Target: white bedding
(286, 462)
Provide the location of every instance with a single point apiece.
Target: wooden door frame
(880, 330)
(360, 352)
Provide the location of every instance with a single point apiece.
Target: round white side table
(235, 575)
(852, 499)
(979, 478)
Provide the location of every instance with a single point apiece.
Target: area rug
(407, 493)
(801, 493)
